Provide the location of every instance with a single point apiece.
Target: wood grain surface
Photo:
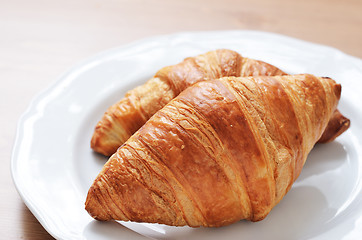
(42, 39)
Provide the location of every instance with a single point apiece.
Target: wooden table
(41, 39)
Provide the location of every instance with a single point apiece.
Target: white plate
(53, 165)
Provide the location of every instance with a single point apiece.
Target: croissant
(124, 118)
(222, 151)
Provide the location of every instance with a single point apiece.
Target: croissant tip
(90, 201)
(93, 206)
(346, 123)
(102, 147)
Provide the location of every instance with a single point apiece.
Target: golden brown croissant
(125, 117)
(222, 151)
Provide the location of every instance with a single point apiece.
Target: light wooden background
(39, 40)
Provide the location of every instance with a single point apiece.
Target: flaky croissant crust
(221, 151)
(125, 117)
